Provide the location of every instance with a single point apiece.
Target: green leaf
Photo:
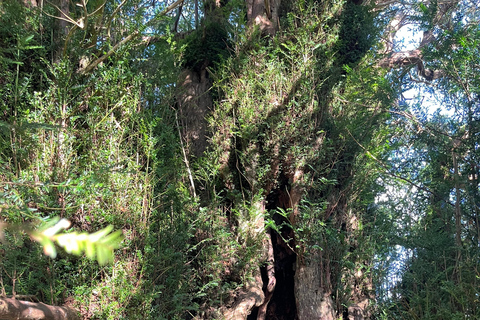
(423, 7)
(99, 245)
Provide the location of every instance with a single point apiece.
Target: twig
(117, 9)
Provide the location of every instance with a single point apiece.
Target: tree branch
(410, 58)
(414, 57)
(92, 65)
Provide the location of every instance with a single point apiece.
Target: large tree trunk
(248, 299)
(11, 309)
(293, 287)
(253, 295)
(271, 281)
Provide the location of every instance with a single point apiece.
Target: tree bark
(64, 13)
(264, 13)
(408, 58)
(193, 97)
(11, 309)
(252, 297)
(458, 211)
(30, 3)
(194, 103)
(312, 299)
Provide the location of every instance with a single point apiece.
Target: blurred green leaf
(99, 245)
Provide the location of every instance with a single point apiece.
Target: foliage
(357, 34)
(381, 183)
(208, 43)
(81, 148)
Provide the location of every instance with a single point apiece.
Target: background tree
(438, 279)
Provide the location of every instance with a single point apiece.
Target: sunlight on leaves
(99, 245)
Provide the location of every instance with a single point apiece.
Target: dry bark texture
(30, 3)
(271, 280)
(64, 6)
(361, 284)
(410, 58)
(11, 309)
(253, 296)
(443, 14)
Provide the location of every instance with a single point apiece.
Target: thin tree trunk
(196, 14)
(458, 213)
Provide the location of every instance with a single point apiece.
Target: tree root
(11, 309)
(272, 281)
